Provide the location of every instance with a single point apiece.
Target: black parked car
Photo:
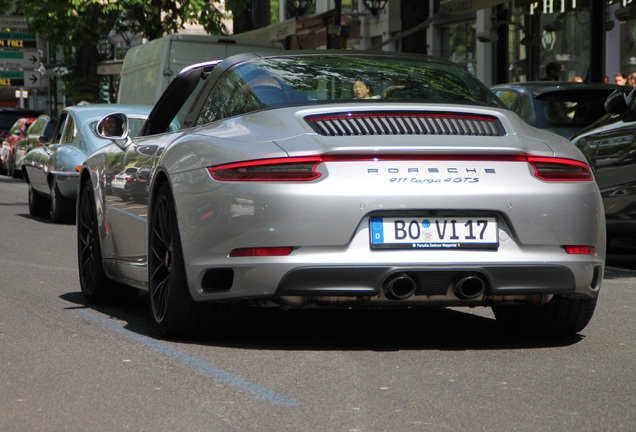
(561, 107)
(610, 147)
(8, 117)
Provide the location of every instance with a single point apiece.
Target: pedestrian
(552, 72)
(620, 79)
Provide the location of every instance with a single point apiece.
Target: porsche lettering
(432, 170)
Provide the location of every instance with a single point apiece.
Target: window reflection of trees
(319, 79)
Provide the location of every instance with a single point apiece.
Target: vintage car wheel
(62, 209)
(38, 205)
(96, 287)
(560, 316)
(13, 172)
(10, 167)
(173, 311)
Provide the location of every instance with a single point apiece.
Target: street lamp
(105, 48)
(301, 6)
(375, 6)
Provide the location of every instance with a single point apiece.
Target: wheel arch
(50, 179)
(160, 178)
(25, 175)
(85, 178)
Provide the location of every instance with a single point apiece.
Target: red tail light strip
(329, 117)
(305, 168)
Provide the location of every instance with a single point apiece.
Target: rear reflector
(268, 251)
(580, 250)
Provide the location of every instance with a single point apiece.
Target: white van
(148, 69)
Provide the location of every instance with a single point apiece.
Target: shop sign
(466, 6)
(548, 39)
(552, 6)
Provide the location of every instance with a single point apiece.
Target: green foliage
(73, 29)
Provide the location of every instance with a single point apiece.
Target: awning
(274, 32)
(109, 67)
(304, 32)
(466, 6)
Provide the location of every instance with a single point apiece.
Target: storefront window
(458, 44)
(627, 47)
(562, 42)
(520, 41)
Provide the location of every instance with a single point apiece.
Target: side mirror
(617, 102)
(43, 140)
(113, 127)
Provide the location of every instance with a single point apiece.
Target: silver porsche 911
(285, 187)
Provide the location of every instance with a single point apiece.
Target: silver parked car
(52, 169)
(282, 189)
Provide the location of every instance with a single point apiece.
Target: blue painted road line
(205, 367)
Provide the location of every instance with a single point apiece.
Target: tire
(62, 210)
(13, 172)
(561, 316)
(96, 287)
(38, 205)
(174, 313)
(10, 168)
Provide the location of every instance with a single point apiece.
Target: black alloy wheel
(174, 313)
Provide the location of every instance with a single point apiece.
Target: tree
(155, 18)
(75, 27)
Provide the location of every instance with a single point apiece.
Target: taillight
(281, 169)
(261, 251)
(557, 169)
(580, 250)
(305, 168)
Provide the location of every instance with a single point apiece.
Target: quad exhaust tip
(399, 286)
(469, 287)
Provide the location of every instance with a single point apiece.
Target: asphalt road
(66, 366)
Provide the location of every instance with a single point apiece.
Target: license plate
(446, 232)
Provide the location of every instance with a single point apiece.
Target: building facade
(509, 41)
(497, 40)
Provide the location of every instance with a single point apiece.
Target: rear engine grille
(405, 123)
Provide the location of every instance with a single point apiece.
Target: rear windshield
(319, 79)
(570, 109)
